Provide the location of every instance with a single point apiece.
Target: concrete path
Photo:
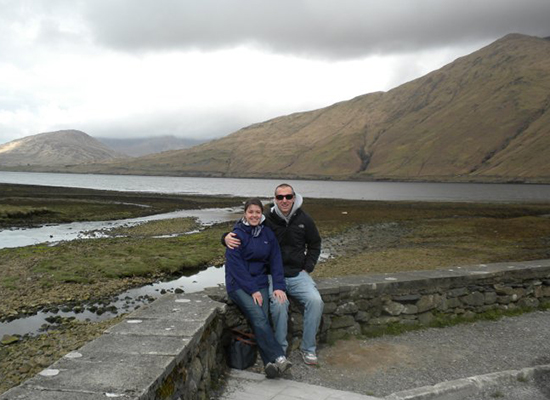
(244, 385)
(507, 385)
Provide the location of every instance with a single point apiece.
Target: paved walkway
(243, 385)
(525, 384)
(508, 359)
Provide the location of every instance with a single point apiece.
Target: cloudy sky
(205, 68)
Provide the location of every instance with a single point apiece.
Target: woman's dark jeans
(257, 316)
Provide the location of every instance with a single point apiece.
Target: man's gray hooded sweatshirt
(297, 236)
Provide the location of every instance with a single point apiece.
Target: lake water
(385, 191)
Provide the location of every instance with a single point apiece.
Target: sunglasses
(284, 196)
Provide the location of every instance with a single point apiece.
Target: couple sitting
(267, 257)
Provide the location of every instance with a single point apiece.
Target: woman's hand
(257, 297)
(280, 296)
(231, 241)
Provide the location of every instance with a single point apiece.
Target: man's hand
(258, 299)
(231, 241)
(280, 296)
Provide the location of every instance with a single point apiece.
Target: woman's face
(253, 215)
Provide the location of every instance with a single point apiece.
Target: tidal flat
(359, 237)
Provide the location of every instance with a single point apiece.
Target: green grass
(175, 226)
(27, 205)
(443, 320)
(87, 261)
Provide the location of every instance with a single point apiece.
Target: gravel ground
(389, 364)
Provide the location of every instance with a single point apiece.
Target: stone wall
(171, 349)
(174, 348)
(363, 305)
(372, 303)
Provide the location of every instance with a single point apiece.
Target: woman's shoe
(283, 364)
(271, 370)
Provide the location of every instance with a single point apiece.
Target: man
(300, 247)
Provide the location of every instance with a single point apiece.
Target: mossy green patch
(175, 226)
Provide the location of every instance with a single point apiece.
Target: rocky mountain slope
(59, 148)
(482, 117)
(137, 147)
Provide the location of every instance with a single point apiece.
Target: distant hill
(136, 147)
(483, 117)
(61, 148)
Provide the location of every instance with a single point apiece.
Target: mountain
(483, 117)
(59, 148)
(136, 147)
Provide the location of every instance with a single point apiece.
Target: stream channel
(124, 302)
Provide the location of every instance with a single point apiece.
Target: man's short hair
(284, 185)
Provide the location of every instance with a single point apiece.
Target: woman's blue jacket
(247, 266)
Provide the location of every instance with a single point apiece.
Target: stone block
(453, 302)
(362, 316)
(329, 308)
(410, 298)
(393, 308)
(425, 318)
(528, 302)
(504, 299)
(427, 302)
(410, 309)
(342, 322)
(490, 297)
(346, 309)
(443, 304)
(473, 299)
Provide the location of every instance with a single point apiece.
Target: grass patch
(13, 212)
(85, 261)
(175, 226)
(37, 205)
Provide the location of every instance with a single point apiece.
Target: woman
(246, 270)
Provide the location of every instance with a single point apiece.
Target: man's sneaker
(283, 364)
(271, 370)
(309, 358)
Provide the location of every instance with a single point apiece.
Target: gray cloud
(317, 28)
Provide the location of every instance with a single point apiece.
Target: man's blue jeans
(304, 290)
(257, 316)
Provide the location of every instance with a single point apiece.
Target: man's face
(284, 203)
